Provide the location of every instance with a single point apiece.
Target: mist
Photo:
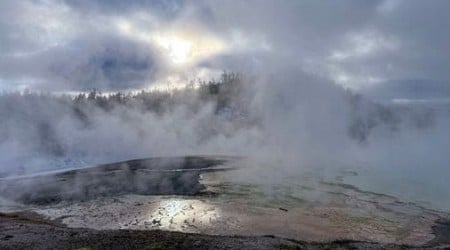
(292, 119)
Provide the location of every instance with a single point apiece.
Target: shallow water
(426, 188)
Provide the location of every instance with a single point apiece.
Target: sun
(178, 50)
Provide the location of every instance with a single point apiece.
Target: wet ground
(28, 231)
(206, 195)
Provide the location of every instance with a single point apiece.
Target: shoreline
(29, 230)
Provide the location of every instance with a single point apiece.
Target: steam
(289, 117)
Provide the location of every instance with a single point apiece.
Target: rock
(283, 209)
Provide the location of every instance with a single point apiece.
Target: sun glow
(180, 46)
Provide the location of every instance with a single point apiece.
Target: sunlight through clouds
(181, 46)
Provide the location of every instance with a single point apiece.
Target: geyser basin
(151, 176)
(302, 207)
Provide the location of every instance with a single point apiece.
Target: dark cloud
(162, 8)
(107, 63)
(112, 64)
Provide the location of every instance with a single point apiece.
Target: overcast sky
(73, 45)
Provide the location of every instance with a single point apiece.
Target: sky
(385, 48)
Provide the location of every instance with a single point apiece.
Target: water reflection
(181, 214)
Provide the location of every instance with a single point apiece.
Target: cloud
(163, 9)
(356, 44)
(57, 44)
